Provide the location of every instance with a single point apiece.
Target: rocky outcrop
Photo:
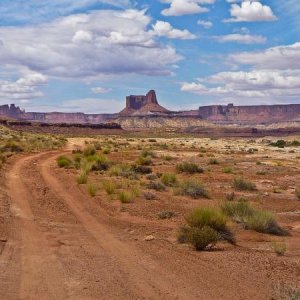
(256, 114)
(141, 105)
(11, 111)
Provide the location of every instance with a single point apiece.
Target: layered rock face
(139, 105)
(259, 114)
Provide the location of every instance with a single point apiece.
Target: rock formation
(256, 114)
(141, 105)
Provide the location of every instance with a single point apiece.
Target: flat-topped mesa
(255, 114)
(140, 104)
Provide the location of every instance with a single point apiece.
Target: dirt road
(63, 245)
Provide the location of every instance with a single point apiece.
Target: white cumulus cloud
(251, 11)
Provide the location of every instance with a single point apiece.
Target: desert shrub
(123, 170)
(106, 151)
(166, 214)
(206, 226)
(156, 185)
(89, 150)
(169, 179)
(241, 184)
(12, 146)
(251, 218)
(279, 248)
(188, 167)
(100, 163)
(148, 153)
(135, 191)
(203, 238)
(142, 169)
(64, 162)
(192, 188)
(149, 196)
(144, 161)
(125, 197)
(152, 140)
(82, 178)
(92, 190)
(227, 170)
(297, 192)
(239, 211)
(213, 161)
(264, 221)
(109, 187)
(278, 143)
(204, 216)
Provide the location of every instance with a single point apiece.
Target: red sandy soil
(63, 244)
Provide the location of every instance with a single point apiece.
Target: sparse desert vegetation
(232, 202)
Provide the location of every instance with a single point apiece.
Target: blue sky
(66, 55)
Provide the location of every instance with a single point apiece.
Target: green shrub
(82, 178)
(239, 211)
(100, 163)
(109, 187)
(261, 173)
(156, 185)
(64, 162)
(106, 151)
(206, 226)
(192, 188)
(148, 153)
(188, 167)
(279, 248)
(152, 140)
(169, 179)
(89, 150)
(264, 221)
(241, 184)
(125, 197)
(144, 161)
(204, 216)
(92, 190)
(203, 238)
(258, 220)
(278, 143)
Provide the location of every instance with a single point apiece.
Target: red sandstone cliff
(136, 105)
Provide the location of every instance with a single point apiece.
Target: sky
(87, 55)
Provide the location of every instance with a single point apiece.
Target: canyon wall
(258, 114)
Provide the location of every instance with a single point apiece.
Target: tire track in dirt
(150, 280)
(39, 266)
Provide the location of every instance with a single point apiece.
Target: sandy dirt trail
(63, 246)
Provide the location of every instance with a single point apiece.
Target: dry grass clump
(279, 248)
(205, 227)
(92, 190)
(125, 197)
(192, 188)
(297, 192)
(169, 179)
(251, 218)
(82, 178)
(240, 184)
(64, 162)
(109, 187)
(156, 185)
(188, 167)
